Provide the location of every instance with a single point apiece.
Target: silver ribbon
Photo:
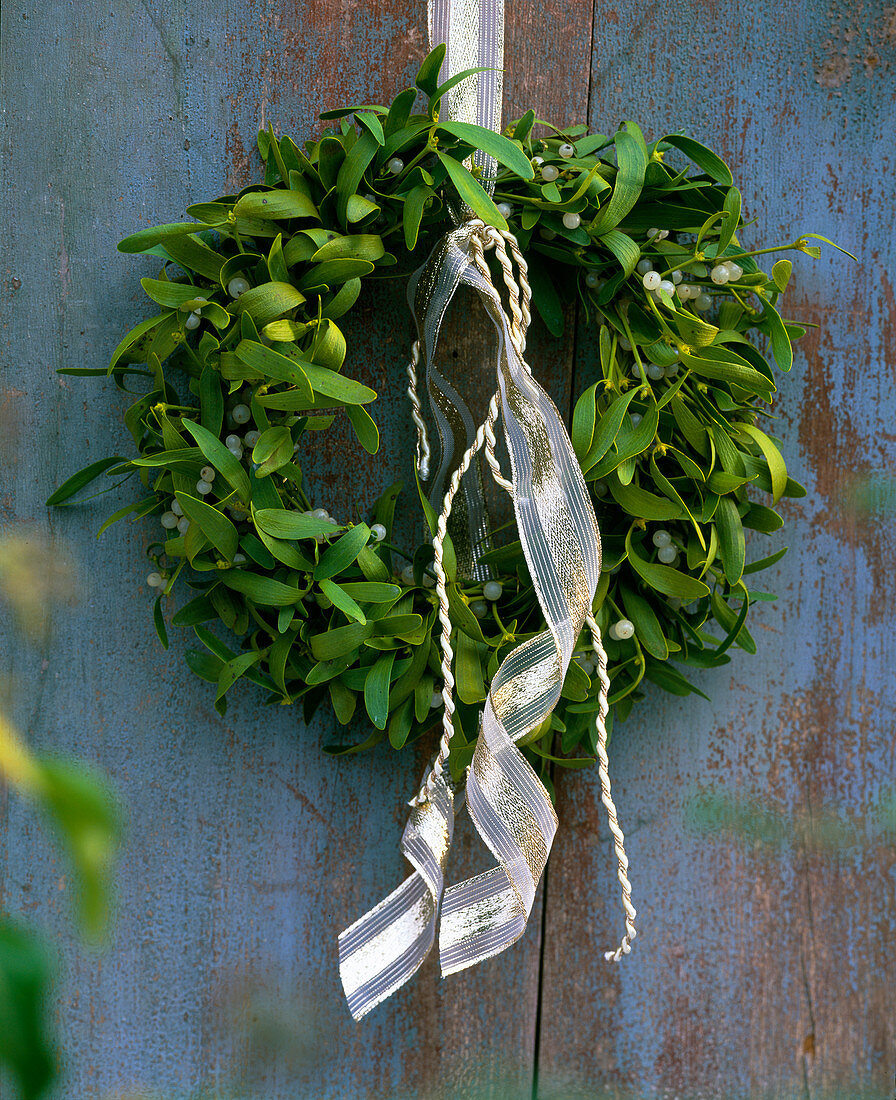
(509, 805)
(473, 32)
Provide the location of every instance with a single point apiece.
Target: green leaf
(365, 428)
(352, 172)
(372, 591)
(631, 160)
(704, 158)
(26, 1048)
(166, 293)
(471, 192)
(145, 239)
(224, 462)
(376, 690)
(331, 384)
(663, 578)
(765, 563)
(401, 722)
(272, 364)
(468, 670)
(782, 349)
(732, 208)
(269, 301)
(647, 625)
(274, 205)
(263, 591)
(281, 524)
(341, 599)
(427, 79)
(641, 504)
(84, 477)
(193, 255)
(357, 246)
(235, 669)
(343, 639)
(781, 272)
(86, 820)
(400, 111)
(273, 450)
(583, 419)
(623, 248)
(413, 213)
(342, 553)
(725, 365)
(216, 527)
(159, 621)
(776, 465)
(333, 272)
(607, 429)
(372, 125)
(503, 150)
(732, 546)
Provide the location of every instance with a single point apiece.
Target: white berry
(622, 630)
(233, 441)
(667, 287)
(207, 473)
(677, 277)
(549, 173)
(735, 271)
(183, 525)
(600, 489)
(239, 559)
(672, 370)
(571, 220)
(625, 343)
(661, 538)
(703, 302)
(655, 371)
(407, 575)
(237, 286)
(252, 438)
(667, 554)
(378, 531)
(651, 280)
(203, 487)
(566, 150)
(492, 590)
(537, 162)
(237, 452)
(651, 233)
(154, 580)
(194, 320)
(241, 414)
(176, 508)
(719, 275)
(169, 521)
(435, 700)
(479, 608)
(636, 419)
(395, 166)
(592, 279)
(505, 209)
(643, 267)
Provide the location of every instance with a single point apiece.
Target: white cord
(423, 450)
(603, 769)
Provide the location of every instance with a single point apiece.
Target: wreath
(245, 356)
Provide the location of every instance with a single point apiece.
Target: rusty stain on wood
(758, 972)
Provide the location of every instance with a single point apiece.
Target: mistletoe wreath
(246, 357)
(632, 523)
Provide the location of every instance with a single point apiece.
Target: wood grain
(247, 848)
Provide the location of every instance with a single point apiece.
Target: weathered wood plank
(758, 972)
(247, 849)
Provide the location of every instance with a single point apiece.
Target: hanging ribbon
(509, 806)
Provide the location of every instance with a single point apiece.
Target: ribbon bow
(509, 806)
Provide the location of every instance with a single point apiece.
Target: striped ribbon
(508, 804)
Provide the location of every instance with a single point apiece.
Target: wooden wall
(761, 971)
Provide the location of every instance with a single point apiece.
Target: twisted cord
(423, 450)
(438, 546)
(603, 769)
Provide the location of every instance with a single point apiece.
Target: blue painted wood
(248, 849)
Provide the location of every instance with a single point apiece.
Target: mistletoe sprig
(245, 357)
